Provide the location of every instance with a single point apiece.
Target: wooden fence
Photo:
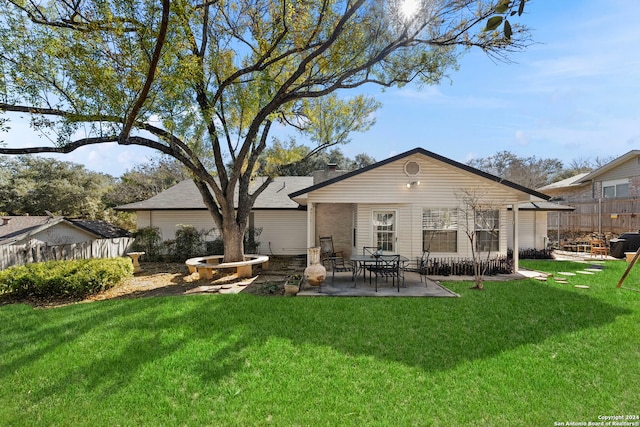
(11, 255)
(608, 216)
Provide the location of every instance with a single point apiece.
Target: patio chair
(423, 266)
(327, 251)
(388, 266)
(372, 251)
(598, 248)
(338, 265)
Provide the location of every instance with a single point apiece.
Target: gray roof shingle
(185, 195)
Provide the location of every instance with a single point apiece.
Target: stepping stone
(595, 270)
(566, 273)
(584, 272)
(581, 286)
(541, 279)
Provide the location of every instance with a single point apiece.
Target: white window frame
(485, 226)
(440, 221)
(388, 245)
(616, 186)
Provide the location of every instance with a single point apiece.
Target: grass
(518, 353)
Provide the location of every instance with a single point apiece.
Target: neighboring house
(413, 201)
(605, 200)
(50, 230)
(26, 239)
(283, 221)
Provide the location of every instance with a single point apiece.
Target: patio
(414, 287)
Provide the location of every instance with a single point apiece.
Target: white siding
(62, 234)
(385, 188)
(168, 221)
(284, 229)
(284, 232)
(533, 230)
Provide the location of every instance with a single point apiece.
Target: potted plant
(292, 285)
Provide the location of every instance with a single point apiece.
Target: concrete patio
(413, 286)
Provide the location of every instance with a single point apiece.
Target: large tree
(531, 171)
(205, 81)
(37, 186)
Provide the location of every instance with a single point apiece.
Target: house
(51, 230)
(282, 220)
(402, 204)
(27, 239)
(414, 201)
(605, 200)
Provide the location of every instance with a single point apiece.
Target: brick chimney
(5, 220)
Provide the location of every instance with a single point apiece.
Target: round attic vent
(412, 168)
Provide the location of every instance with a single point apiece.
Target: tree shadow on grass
(114, 340)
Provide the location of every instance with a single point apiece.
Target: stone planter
(315, 273)
(292, 285)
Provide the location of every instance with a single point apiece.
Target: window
(384, 230)
(440, 230)
(618, 188)
(487, 230)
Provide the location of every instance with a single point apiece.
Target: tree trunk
(233, 237)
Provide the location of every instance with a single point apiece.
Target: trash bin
(626, 242)
(617, 247)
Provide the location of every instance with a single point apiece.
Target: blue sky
(574, 94)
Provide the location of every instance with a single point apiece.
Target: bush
(189, 243)
(64, 279)
(149, 241)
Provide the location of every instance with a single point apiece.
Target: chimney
(5, 220)
(330, 171)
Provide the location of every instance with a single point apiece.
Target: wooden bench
(205, 265)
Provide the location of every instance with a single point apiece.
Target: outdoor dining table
(360, 263)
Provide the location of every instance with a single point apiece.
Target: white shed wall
(62, 234)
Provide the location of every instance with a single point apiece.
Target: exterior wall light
(413, 184)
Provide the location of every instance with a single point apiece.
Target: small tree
(480, 220)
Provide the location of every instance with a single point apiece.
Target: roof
(544, 206)
(100, 228)
(574, 181)
(431, 155)
(611, 165)
(185, 196)
(15, 228)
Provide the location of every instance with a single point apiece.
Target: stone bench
(205, 265)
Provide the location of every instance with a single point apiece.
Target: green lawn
(519, 353)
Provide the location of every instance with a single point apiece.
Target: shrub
(189, 243)
(64, 279)
(149, 241)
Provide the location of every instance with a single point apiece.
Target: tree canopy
(204, 82)
(38, 186)
(532, 172)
